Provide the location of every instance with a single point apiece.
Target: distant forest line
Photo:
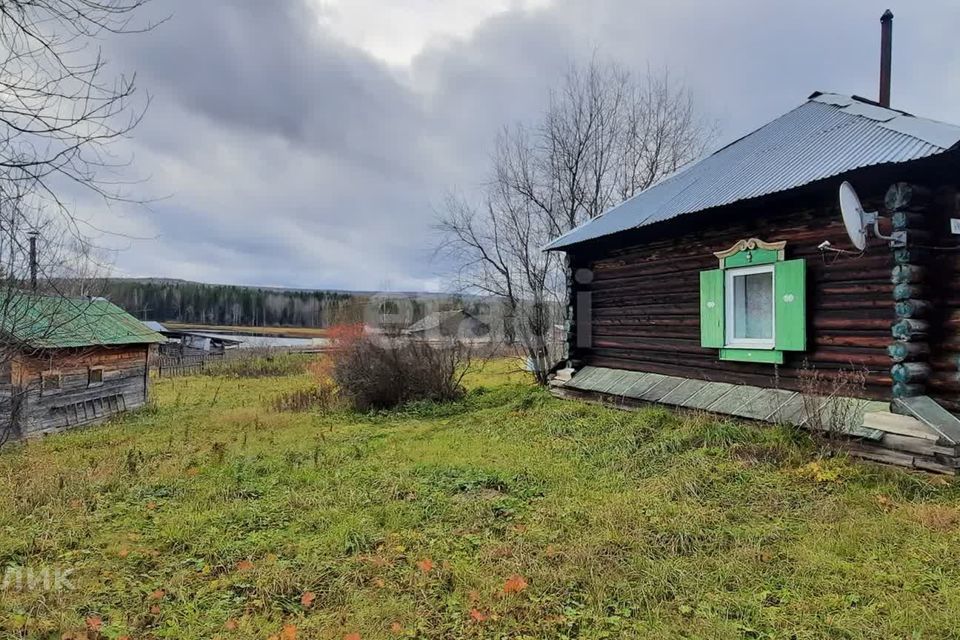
(232, 305)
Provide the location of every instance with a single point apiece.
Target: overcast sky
(307, 143)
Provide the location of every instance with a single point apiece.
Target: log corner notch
(571, 313)
(910, 351)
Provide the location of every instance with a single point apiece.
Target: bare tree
(61, 110)
(606, 135)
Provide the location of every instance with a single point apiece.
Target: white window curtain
(753, 306)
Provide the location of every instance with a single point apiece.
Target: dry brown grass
(832, 405)
(321, 396)
(937, 517)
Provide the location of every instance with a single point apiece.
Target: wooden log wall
(907, 204)
(645, 304)
(943, 328)
(77, 402)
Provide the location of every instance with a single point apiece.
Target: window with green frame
(753, 308)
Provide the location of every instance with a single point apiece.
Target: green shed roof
(53, 322)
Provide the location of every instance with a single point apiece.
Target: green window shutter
(711, 309)
(790, 296)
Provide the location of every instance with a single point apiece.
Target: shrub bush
(380, 373)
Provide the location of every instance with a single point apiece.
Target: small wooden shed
(732, 286)
(454, 323)
(69, 362)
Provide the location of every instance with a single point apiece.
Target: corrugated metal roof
(52, 322)
(153, 325)
(828, 135)
(438, 319)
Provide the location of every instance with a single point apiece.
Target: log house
(733, 286)
(69, 362)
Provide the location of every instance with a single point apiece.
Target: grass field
(507, 515)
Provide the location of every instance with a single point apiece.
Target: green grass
(210, 515)
(259, 364)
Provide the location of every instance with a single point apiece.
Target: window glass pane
(753, 306)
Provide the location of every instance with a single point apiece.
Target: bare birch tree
(606, 135)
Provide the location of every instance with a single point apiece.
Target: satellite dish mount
(858, 222)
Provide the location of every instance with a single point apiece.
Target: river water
(253, 342)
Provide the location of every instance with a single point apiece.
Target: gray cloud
(293, 158)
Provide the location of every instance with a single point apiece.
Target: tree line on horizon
(244, 306)
(199, 303)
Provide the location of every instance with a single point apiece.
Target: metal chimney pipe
(33, 261)
(886, 53)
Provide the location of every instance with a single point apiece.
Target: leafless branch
(61, 110)
(606, 135)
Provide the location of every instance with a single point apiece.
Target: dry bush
(343, 335)
(833, 405)
(381, 372)
(320, 368)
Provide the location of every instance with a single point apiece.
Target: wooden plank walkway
(867, 427)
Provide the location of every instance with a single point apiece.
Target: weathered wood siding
(645, 301)
(78, 402)
(943, 287)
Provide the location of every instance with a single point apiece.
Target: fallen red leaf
(159, 594)
(289, 632)
(94, 623)
(244, 565)
(306, 600)
(514, 584)
(155, 609)
(426, 565)
(396, 628)
(230, 624)
(477, 615)
(352, 636)
(151, 505)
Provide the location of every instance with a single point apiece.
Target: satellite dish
(855, 219)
